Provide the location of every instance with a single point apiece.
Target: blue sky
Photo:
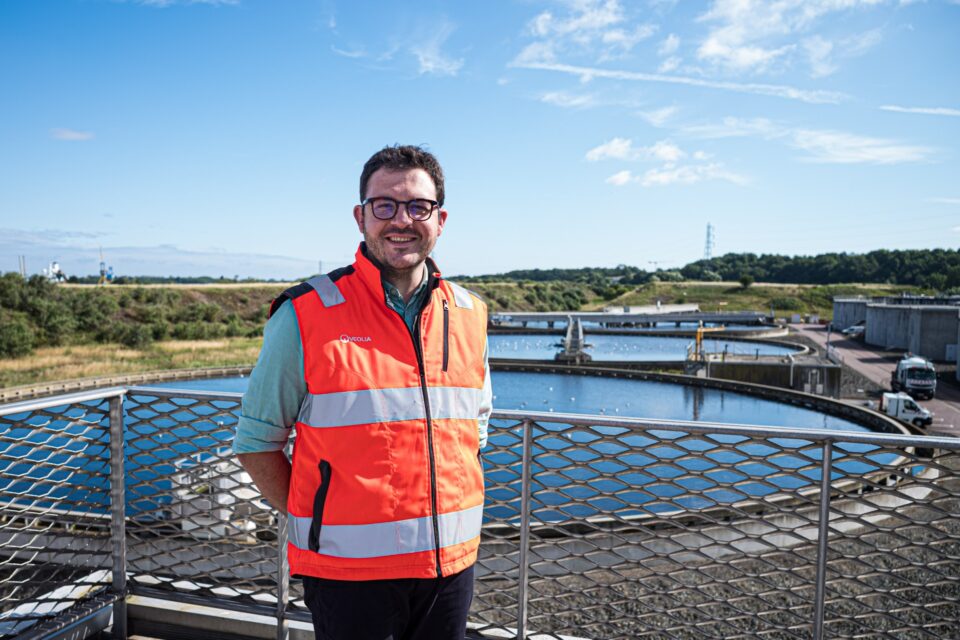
(227, 137)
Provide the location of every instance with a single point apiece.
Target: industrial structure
(923, 325)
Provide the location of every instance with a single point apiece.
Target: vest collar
(370, 271)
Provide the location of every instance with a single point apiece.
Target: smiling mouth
(400, 240)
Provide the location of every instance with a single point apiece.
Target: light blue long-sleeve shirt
(278, 385)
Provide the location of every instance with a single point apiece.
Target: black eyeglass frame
(434, 205)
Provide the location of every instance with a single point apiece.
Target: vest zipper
(418, 349)
(446, 332)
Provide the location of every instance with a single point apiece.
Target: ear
(441, 220)
(358, 216)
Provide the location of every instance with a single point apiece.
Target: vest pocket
(446, 335)
(318, 501)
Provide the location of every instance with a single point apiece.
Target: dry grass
(83, 361)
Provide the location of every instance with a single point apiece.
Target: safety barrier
(594, 527)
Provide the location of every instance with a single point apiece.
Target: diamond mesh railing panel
(612, 529)
(672, 534)
(495, 602)
(55, 545)
(894, 543)
(196, 523)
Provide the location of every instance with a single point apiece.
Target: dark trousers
(401, 609)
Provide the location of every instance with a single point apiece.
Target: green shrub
(135, 336)
(746, 281)
(787, 304)
(11, 291)
(199, 312)
(93, 309)
(16, 335)
(670, 276)
(53, 319)
(160, 330)
(198, 331)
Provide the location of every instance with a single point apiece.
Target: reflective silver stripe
(387, 538)
(329, 294)
(346, 408)
(461, 297)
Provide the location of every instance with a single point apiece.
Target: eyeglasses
(418, 209)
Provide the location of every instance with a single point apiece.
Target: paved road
(877, 365)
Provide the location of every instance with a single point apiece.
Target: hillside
(51, 332)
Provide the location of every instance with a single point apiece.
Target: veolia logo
(345, 338)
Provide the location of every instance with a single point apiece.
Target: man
(382, 367)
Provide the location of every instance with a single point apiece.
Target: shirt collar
(369, 269)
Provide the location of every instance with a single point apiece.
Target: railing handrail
(55, 401)
(816, 435)
(576, 419)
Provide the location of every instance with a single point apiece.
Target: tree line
(35, 312)
(934, 269)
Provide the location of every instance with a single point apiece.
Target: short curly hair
(400, 158)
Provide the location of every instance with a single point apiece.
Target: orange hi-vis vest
(386, 479)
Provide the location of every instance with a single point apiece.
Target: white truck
(902, 407)
(914, 375)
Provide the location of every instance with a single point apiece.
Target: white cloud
(569, 100)
(670, 171)
(822, 54)
(618, 149)
(620, 178)
(930, 111)
(739, 58)
(821, 145)
(587, 18)
(658, 117)
(846, 148)
(431, 58)
(599, 29)
(677, 175)
(689, 174)
(669, 65)
(71, 135)
(626, 40)
(737, 128)
(623, 149)
(818, 51)
(669, 45)
(944, 200)
(775, 90)
(666, 151)
(745, 35)
(349, 53)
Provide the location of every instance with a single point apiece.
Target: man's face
(400, 244)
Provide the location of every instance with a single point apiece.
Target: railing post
(826, 466)
(525, 474)
(118, 541)
(283, 578)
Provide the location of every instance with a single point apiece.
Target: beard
(398, 258)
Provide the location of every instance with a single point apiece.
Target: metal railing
(594, 527)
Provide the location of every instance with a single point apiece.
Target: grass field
(50, 364)
(784, 299)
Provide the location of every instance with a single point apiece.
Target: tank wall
(848, 312)
(888, 326)
(934, 330)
